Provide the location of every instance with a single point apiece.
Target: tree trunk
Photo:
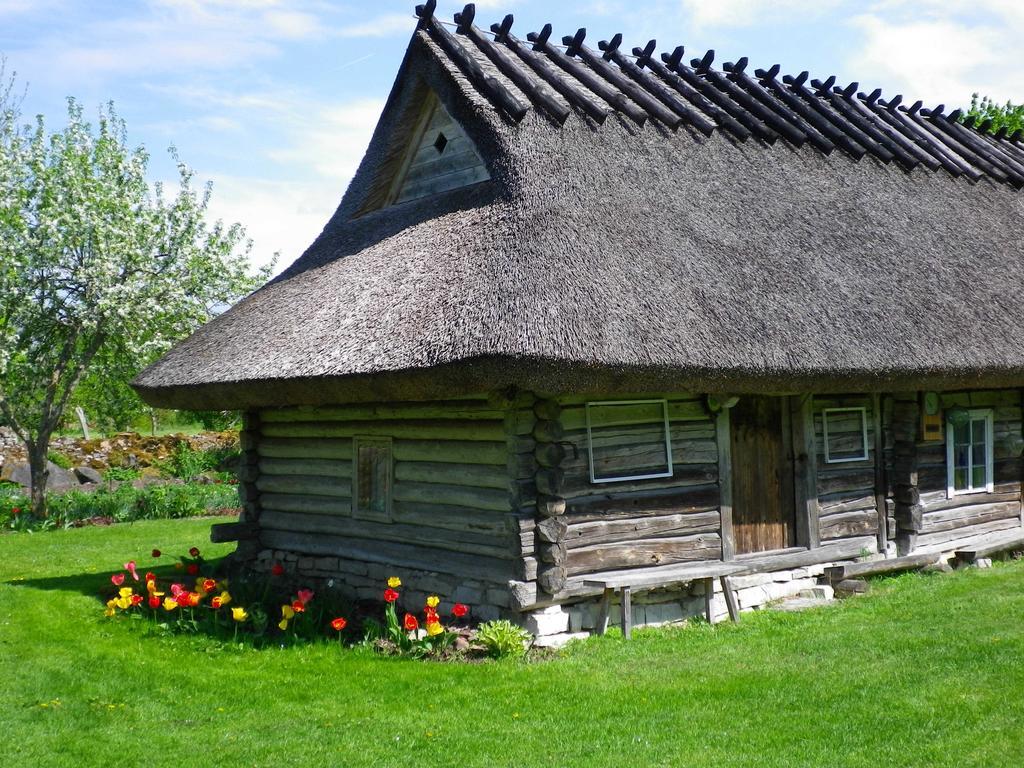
(37, 460)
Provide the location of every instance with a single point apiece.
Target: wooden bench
(626, 581)
(839, 573)
(969, 555)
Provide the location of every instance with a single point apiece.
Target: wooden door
(763, 511)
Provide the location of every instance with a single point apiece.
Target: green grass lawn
(926, 671)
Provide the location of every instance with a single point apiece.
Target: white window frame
(864, 434)
(668, 440)
(973, 415)
(369, 514)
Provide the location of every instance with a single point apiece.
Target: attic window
(440, 142)
(371, 480)
(628, 440)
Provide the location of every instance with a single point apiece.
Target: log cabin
(592, 322)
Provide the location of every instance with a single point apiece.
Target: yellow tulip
(170, 603)
(125, 591)
(287, 612)
(283, 624)
(434, 628)
(433, 601)
(124, 603)
(394, 582)
(239, 614)
(111, 607)
(225, 597)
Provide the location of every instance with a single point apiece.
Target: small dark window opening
(372, 478)
(440, 143)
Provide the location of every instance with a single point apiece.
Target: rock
(850, 587)
(16, 472)
(940, 567)
(88, 475)
(983, 562)
(548, 621)
(19, 472)
(461, 643)
(800, 604)
(560, 640)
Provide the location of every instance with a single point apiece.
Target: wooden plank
(609, 531)
(836, 504)
(465, 541)
(627, 612)
(994, 546)
(319, 505)
(661, 501)
(842, 549)
(452, 517)
(485, 431)
(968, 515)
(577, 486)
(660, 576)
(637, 554)
(283, 448)
(849, 524)
(445, 410)
(394, 555)
(451, 451)
(808, 510)
(951, 540)
(481, 476)
(316, 467)
(730, 598)
(605, 610)
(462, 496)
(838, 573)
(305, 485)
(937, 501)
(725, 483)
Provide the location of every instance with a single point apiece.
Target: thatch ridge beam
(575, 47)
(502, 34)
(539, 92)
(507, 101)
(653, 86)
(615, 98)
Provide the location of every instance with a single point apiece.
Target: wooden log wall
(847, 500)
(454, 503)
(926, 519)
(638, 523)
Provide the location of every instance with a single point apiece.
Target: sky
(275, 100)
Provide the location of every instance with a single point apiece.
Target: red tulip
(136, 599)
(117, 579)
(390, 595)
(277, 569)
(194, 552)
(411, 623)
(183, 599)
(154, 602)
(156, 553)
(15, 510)
(305, 595)
(150, 576)
(209, 585)
(192, 569)
(215, 603)
(298, 606)
(459, 610)
(338, 624)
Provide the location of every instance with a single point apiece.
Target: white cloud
(381, 26)
(942, 50)
(331, 142)
(749, 13)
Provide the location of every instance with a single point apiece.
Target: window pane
(961, 434)
(628, 440)
(978, 477)
(960, 456)
(960, 479)
(845, 430)
(373, 460)
(978, 431)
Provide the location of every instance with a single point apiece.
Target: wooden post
(722, 436)
(806, 470)
(730, 598)
(605, 610)
(876, 407)
(709, 599)
(627, 612)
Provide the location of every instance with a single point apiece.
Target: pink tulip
(177, 589)
(305, 595)
(118, 579)
(130, 567)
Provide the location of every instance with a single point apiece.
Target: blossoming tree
(96, 263)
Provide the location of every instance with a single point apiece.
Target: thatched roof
(659, 235)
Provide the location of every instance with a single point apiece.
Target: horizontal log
(460, 496)
(476, 431)
(934, 478)
(393, 554)
(305, 485)
(630, 529)
(949, 540)
(451, 451)
(480, 476)
(842, 480)
(278, 448)
(672, 397)
(837, 504)
(973, 514)
(695, 499)
(317, 505)
(222, 533)
(936, 501)
(843, 549)
(637, 554)
(453, 517)
(574, 417)
(449, 410)
(848, 524)
(466, 541)
(996, 545)
(617, 458)
(340, 468)
(685, 475)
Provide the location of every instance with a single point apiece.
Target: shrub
(59, 459)
(503, 639)
(187, 463)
